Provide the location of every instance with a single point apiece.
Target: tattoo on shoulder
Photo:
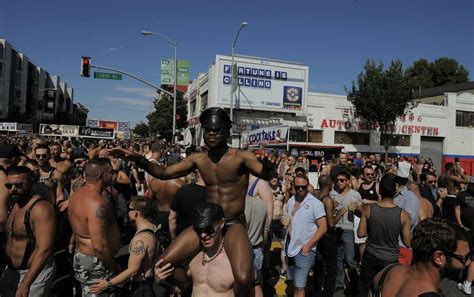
(101, 212)
(138, 247)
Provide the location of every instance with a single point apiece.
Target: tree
(161, 120)
(142, 129)
(423, 74)
(381, 96)
(448, 71)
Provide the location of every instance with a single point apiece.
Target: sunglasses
(214, 130)
(41, 156)
(370, 174)
(432, 182)
(79, 162)
(341, 180)
(131, 209)
(209, 230)
(301, 187)
(18, 185)
(462, 259)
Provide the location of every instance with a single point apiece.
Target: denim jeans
(298, 268)
(345, 253)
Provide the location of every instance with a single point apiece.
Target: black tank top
(370, 194)
(384, 227)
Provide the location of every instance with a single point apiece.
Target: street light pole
(242, 25)
(148, 33)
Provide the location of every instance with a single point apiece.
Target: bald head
(324, 182)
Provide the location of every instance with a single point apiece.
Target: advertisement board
(108, 124)
(96, 132)
(269, 135)
(8, 126)
(59, 130)
(167, 72)
(262, 84)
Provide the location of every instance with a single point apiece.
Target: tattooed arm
(99, 221)
(138, 250)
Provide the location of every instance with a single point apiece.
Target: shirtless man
(9, 156)
(225, 171)
(453, 179)
(426, 209)
(49, 175)
(96, 233)
(162, 192)
(440, 250)
(58, 162)
(31, 229)
(210, 269)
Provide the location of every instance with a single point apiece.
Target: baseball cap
(403, 169)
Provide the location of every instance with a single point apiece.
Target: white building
(441, 126)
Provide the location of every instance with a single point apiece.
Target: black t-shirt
(449, 204)
(466, 200)
(187, 197)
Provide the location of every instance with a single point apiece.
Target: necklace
(209, 259)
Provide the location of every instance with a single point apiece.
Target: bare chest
(15, 225)
(216, 274)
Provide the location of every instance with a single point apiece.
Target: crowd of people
(148, 218)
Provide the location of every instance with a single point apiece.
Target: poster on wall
(292, 98)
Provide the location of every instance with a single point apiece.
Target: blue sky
(334, 38)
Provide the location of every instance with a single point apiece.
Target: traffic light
(85, 66)
(178, 117)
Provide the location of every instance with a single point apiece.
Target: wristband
(110, 286)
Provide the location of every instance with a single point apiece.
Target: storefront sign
(315, 152)
(270, 135)
(59, 130)
(365, 126)
(96, 132)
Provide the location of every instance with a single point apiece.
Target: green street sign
(104, 75)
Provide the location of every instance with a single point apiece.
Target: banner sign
(59, 130)
(315, 152)
(23, 127)
(96, 132)
(108, 124)
(167, 72)
(93, 123)
(7, 126)
(269, 135)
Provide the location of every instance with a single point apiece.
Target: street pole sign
(105, 75)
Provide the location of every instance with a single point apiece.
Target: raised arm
(263, 169)
(178, 170)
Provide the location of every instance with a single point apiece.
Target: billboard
(96, 132)
(58, 130)
(108, 124)
(262, 84)
(167, 72)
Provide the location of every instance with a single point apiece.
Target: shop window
(297, 135)
(395, 140)
(315, 136)
(192, 107)
(351, 138)
(464, 119)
